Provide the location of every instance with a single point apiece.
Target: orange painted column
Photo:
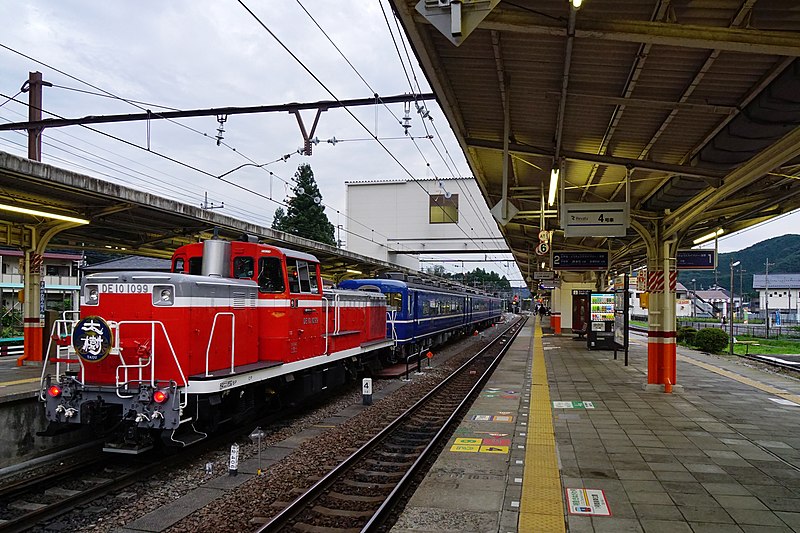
(33, 333)
(555, 322)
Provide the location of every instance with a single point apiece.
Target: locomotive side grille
(239, 299)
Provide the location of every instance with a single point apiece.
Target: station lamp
(576, 3)
(551, 193)
(37, 213)
(708, 236)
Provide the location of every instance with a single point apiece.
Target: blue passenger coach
(422, 315)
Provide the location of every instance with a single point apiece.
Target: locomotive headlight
(163, 295)
(92, 295)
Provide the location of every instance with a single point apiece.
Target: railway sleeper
(368, 484)
(355, 497)
(344, 513)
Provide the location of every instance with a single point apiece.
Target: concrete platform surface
(721, 456)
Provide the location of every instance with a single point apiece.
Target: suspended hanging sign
(607, 219)
(580, 260)
(544, 275)
(697, 259)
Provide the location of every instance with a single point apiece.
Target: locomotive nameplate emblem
(92, 339)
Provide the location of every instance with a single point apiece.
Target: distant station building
(60, 274)
(396, 221)
(781, 294)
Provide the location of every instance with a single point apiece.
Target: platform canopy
(694, 106)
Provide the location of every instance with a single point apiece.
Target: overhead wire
(325, 87)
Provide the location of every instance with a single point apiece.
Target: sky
(194, 54)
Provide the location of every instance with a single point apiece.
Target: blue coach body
(421, 316)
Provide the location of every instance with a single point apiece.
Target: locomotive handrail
(211, 338)
(327, 306)
(118, 326)
(56, 331)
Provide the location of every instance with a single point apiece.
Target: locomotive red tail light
(160, 396)
(54, 391)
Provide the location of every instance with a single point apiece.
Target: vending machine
(601, 326)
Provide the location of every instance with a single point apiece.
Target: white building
(782, 294)
(396, 221)
(59, 274)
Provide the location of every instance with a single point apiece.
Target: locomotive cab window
(196, 265)
(178, 265)
(305, 282)
(312, 277)
(270, 275)
(243, 267)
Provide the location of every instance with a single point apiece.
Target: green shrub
(686, 334)
(711, 340)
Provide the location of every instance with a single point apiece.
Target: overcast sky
(190, 54)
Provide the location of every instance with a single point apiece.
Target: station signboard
(544, 275)
(697, 259)
(606, 219)
(580, 261)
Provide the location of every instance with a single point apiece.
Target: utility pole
(730, 306)
(741, 292)
(766, 295)
(206, 205)
(34, 89)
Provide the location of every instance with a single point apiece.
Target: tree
(305, 215)
(279, 219)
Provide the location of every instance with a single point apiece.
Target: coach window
(270, 275)
(243, 267)
(394, 301)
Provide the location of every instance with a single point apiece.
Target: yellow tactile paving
(542, 506)
(18, 382)
(742, 379)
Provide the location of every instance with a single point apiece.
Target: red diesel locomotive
(233, 328)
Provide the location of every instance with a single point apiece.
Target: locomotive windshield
(270, 275)
(243, 267)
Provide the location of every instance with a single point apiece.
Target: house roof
(777, 281)
(132, 262)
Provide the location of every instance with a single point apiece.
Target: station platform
(566, 439)
(18, 382)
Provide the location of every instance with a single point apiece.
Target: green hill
(784, 257)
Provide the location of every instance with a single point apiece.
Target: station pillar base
(555, 322)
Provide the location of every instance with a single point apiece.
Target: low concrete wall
(20, 420)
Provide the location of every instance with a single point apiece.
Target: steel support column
(661, 336)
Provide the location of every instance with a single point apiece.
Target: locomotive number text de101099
(125, 288)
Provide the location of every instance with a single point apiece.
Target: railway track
(767, 360)
(30, 502)
(362, 491)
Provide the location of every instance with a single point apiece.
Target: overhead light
(351, 271)
(551, 194)
(576, 3)
(736, 264)
(37, 213)
(709, 236)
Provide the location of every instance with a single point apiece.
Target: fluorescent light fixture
(551, 194)
(736, 264)
(37, 213)
(709, 236)
(576, 3)
(351, 271)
